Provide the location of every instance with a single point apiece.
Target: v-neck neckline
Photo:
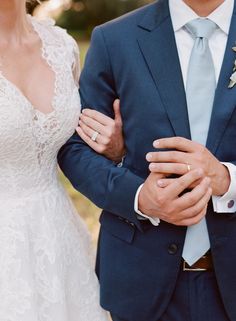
(19, 92)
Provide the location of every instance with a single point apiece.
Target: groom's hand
(167, 204)
(186, 155)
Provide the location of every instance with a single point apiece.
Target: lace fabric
(46, 258)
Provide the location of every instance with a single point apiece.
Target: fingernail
(152, 166)
(156, 143)
(149, 157)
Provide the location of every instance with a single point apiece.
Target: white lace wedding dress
(46, 259)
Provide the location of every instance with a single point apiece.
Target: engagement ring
(94, 136)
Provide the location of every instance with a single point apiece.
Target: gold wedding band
(94, 136)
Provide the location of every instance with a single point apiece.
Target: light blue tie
(200, 92)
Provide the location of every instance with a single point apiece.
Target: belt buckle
(189, 269)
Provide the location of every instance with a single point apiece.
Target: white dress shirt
(181, 14)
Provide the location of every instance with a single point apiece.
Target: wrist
(119, 162)
(119, 157)
(223, 181)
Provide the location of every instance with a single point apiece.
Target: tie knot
(201, 28)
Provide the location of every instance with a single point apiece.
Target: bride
(46, 260)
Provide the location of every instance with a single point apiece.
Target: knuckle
(169, 210)
(192, 198)
(106, 141)
(110, 133)
(190, 213)
(178, 223)
(201, 152)
(196, 220)
(171, 221)
(173, 156)
(181, 183)
(198, 208)
(118, 124)
(102, 149)
(160, 199)
(193, 221)
(178, 139)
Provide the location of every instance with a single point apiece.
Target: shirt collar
(181, 14)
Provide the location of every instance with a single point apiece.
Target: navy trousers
(196, 298)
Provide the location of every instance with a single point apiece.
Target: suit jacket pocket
(118, 226)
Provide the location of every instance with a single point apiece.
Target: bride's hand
(102, 133)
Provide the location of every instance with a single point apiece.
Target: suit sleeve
(110, 187)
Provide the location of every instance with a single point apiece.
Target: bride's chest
(23, 127)
(26, 128)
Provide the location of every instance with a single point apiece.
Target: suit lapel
(157, 43)
(225, 98)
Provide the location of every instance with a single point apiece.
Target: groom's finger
(194, 214)
(182, 183)
(116, 107)
(190, 199)
(164, 182)
(168, 157)
(169, 168)
(178, 143)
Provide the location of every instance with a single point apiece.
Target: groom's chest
(154, 103)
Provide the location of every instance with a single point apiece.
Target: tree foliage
(84, 15)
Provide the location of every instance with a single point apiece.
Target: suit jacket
(135, 59)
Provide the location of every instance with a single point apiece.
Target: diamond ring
(94, 136)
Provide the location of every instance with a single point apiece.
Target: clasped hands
(197, 172)
(179, 201)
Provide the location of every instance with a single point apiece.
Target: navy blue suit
(135, 58)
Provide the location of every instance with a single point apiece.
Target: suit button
(172, 249)
(231, 204)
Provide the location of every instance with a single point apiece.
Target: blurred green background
(79, 17)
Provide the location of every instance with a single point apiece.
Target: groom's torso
(148, 79)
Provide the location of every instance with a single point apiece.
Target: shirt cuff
(155, 221)
(227, 202)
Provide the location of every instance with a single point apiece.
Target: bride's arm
(102, 133)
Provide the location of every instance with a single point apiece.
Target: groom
(168, 229)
